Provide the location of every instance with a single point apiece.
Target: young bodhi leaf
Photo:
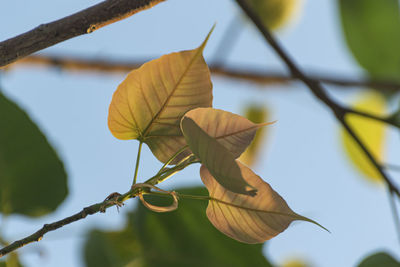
(245, 218)
(149, 104)
(219, 160)
(232, 131)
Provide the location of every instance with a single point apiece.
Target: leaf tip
(313, 222)
(201, 47)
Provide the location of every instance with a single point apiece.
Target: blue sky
(303, 158)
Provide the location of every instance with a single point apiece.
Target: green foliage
(33, 181)
(180, 238)
(372, 33)
(380, 259)
(112, 249)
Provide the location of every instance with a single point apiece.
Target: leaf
(33, 181)
(245, 218)
(276, 13)
(371, 133)
(379, 259)
(219, 160)
(256, 114)
(233, 131)
(372, 33)
(149, 104)
(186, 238)
(177, 239)
(112, 249)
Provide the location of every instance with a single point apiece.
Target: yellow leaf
(256, 114)
(371, 133)
(245, 218)
(276, 13)
(149, 104)
(295, 263)
(219, 160)
(233, 131)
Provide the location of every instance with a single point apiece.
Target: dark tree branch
(90, 210)
(85, 21)
(316, 88)
(252, 74)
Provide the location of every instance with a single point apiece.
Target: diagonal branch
(316, 88)
(83, 22)
(90, 210)
(114, 199)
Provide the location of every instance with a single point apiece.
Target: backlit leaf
(233, 131)
(245, 218)
(176, 239)
(371, 133)
(219, 160)
(372, 33)
(33, 181)
(149, 104)
(256, 114)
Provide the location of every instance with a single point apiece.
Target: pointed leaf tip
(151, 101)
(204, 43)
(244, 218)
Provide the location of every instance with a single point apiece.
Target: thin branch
(83, 22)
(395, 213)
(316, 89)
(251, 74)
(38, 235)
(114, 199)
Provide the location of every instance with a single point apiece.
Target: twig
(252, 74)
(38, 235)
(114, 199)
(395, 213)
(85, 21)
(316, 89)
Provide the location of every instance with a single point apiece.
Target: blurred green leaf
(109, 249)
(380, 259)
(277, 13)
(33, 181)
(180, 238)
(372, 31)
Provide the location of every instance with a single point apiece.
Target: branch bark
(83, 22)
(251, 74)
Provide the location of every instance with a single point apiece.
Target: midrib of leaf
(151, 123)
(294, 215)
(237, 132)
